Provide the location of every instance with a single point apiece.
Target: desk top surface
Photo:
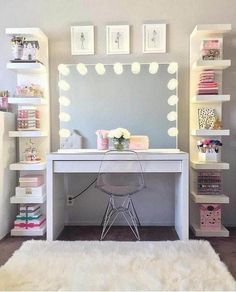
(94, 154)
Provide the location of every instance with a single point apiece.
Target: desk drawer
(117, 166)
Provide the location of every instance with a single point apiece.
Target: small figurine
(217, 124)
(30, 153)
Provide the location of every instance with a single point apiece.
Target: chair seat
(120, 190)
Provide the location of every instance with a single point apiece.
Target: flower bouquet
(120, 138)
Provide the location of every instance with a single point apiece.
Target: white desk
(88, 161)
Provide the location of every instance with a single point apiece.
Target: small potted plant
(120, 138)
(17, 44)
(209, 150)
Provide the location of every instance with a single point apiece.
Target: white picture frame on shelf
(82, 40)
(154, 38)
(117, 39)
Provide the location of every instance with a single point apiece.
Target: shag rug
(89, 265)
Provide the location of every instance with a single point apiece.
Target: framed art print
(117, 39)
(82, 40)
(154, 38)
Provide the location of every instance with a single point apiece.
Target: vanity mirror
(139, 97)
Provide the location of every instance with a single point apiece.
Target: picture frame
(117, 39)
(82, 40)
(154, 38)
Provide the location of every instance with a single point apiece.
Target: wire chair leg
(103, 219)
(135, 212)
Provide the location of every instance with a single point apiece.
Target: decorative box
(210, 217)
(139, 143)
(29, 191)
(209, 157)
(31, 181)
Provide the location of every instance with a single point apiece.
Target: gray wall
(55, 18)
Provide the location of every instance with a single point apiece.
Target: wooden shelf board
(21, 100)
(26, 166)
(203, 30)
(213, 165)
(210, 98)
(29, 232)
(28, 134)
(211, 64)
(34, 33)
(203, 233)
(205, 199)
(26, 68)
(203, 132)
(28, 199)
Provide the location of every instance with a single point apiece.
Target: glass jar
(121, 145)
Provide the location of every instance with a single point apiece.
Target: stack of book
(209, 183)
(207, 83)
(29, 217)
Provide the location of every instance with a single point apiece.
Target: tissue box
(139, 143)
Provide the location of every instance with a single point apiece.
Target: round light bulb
(64, 133)
(172, 116)
(153, 68)
(172, 68)
(173, 132)
(118, 68)
(82, 69)
(100, 69)
(64, 101)
(63, 69)
(64, 117)
(173, 100)
(63, 85)
(135, 68)
(172, 84)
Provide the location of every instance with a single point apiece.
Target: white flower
(119, 133)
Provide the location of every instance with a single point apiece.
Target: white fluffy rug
(83, 265)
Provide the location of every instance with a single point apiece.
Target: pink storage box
(210, 217)
(27, 181)
(139, 143)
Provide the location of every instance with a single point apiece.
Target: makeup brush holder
(102, 143)
(209, 157)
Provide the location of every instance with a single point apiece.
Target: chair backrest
(120, 173)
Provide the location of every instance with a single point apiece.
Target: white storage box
(38, 191)
(209, 157)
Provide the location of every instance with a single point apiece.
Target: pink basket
(210, 217)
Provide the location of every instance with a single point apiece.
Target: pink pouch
(139, 143)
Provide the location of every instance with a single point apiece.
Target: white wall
(55, 18)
